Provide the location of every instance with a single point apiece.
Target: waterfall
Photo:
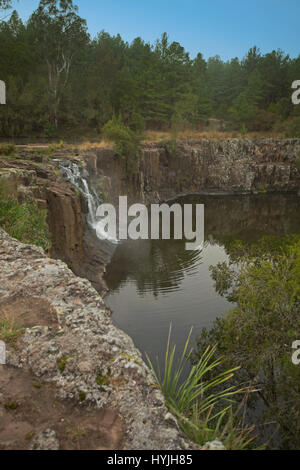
(78, 177)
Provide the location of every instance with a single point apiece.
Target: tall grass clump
(201, 400)
(25, 222)
(9, 329)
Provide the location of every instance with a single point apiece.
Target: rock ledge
(88, 359)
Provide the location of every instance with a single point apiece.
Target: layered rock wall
(211, 166)
(28, 180)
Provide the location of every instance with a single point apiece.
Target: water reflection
(157, 266)
(160, 266)
(155, 283)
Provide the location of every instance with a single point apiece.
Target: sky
(224, 27)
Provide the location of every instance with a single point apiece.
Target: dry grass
(101, 144)
(65, 145)
(187, 134)
(158, 136)
(190, 134)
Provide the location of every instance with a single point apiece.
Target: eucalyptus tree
(58, 33)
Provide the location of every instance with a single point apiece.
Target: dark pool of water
(155, 283)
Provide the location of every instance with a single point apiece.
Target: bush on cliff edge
(25, 222)
(126, 141)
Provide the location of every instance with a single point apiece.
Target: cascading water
(78, 177)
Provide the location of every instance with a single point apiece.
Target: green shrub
(50, 130)
(24, 222)
(7, 149)
(243, 130)
(262, 121)
(261, 188)
(54, 147)
(171, 147)
(262, 326)
(292, 127)
(82, 395)
(127, 142)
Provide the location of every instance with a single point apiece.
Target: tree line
(60, 81)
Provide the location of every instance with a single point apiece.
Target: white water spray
(78, 177)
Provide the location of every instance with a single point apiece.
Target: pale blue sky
(225, 27)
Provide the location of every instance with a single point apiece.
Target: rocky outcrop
(88, 359)
(29, 180)
(231, 166)
(211, 166)
(66, 223)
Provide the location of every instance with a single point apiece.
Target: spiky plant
(203, 407)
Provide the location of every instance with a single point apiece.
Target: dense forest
(60, 81)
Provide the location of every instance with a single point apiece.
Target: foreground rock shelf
(71, 344)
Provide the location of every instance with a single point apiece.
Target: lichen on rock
(99, 361)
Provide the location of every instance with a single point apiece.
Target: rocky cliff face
(231, 166)
(236, 166)
(28, 180)
(30, 177)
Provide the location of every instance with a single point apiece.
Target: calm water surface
(155, 283)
